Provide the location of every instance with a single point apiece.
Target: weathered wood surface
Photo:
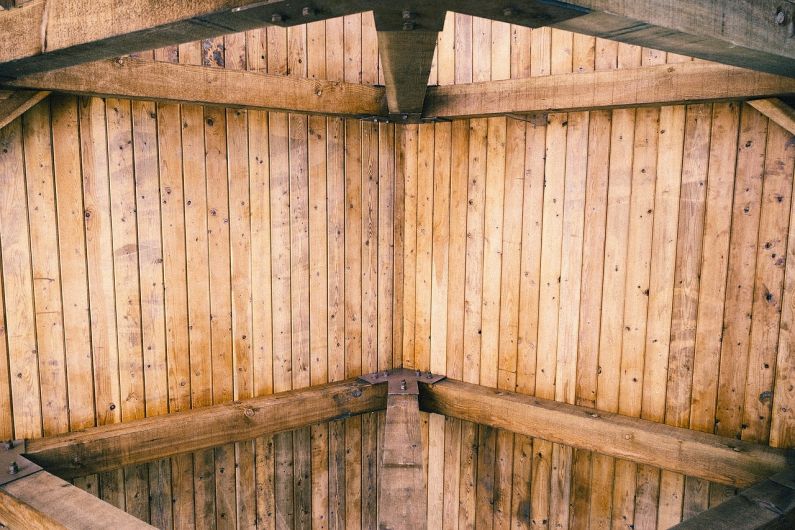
(43, 501)
(776, 110)
(114, 446)
(696, 454)
(769, 504)
(402, 497)
(670, 84)
(15, 103)
(139, 79)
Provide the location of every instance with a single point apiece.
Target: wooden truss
(768, 471)
(38, 37)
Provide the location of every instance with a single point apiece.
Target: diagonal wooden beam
(753, 34)
(778, 111)
(44, 501)
(114, 446)
(48, 34)
(768, 504)
(14, 104)
(137, 79)
(652, 85)
(30, 497)
(696, 454)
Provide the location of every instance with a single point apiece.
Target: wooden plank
(43, 500)
(492, 250)
(702, 455)
(104, 448)
(172, 196)
(775, 109)
(46, 274)
(626, 87)
(473, 287)
(72, 258)
(769, 283)
(406, 171)
(402, 499)
(19, 102)
(18, 286)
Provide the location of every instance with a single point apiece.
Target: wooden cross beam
(100, 449)
(114, 446)
(33, 498)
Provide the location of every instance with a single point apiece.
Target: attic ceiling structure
(569, 284)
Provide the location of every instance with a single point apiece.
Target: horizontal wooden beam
(44, 501)
(653, 85)
(114, 446)
(16, 103)
(697, 454)
(137, 79)
(768, 504)
(778, 111)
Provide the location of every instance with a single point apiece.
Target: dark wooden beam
(49, 34)
(44, 501)
(748, 33)
(137, 79)
(114, 446)
(655, 85)
(14, 104)
(769, 504)
(697, 454)
(406, 44)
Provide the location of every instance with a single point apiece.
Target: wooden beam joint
(13, 465)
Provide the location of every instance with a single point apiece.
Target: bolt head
(276, 17)
(13, 468)
(408, 26)
(507, 12)
(307, 11)
(407, 15)
(780, 17)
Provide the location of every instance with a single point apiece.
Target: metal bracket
(402, 381)
(14, 466)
